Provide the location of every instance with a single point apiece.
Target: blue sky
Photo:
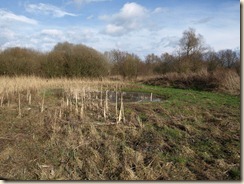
(138, 26)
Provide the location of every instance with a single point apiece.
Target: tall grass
(23, 83)
(227, 81)
(80, 94)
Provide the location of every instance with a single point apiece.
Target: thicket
(191, 56)
(69, 60)
(227, 81)
(65, 60)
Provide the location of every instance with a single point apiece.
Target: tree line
(70, 60)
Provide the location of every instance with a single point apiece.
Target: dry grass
(230, 81)
(62, 129)
(15, 84)
(227, 81)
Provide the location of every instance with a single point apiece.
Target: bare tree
(227, 58)
(123, 63)
(152, 63)
(191, 43)
(212, 60)
(191, 50)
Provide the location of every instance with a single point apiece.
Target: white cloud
(47, 9)
(115, 30)
(52, 32)
(8, 17)
(160, 10)
(132, 10)
(16, 43)
(82, 35)
(13, 28)
(6, 35)
(130, 17)
(46, 39)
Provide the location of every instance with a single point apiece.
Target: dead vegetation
(227, 81)
(61, 130)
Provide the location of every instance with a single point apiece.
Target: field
(60, 129)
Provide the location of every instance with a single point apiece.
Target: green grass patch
(189, 96)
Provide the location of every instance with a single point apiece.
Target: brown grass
(227, 81)
(52, 141)
(39, 127)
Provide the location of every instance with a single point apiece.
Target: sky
(141, 27)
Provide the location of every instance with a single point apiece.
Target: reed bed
(73, 129)
(15, 84)
(77, 95)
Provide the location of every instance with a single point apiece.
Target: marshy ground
(67, 134)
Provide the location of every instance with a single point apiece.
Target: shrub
(75, 61)
(220, 80)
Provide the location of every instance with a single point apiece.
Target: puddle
(134, 97)
(127, 96)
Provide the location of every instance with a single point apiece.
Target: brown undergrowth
(170, 140)
(227, 81)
